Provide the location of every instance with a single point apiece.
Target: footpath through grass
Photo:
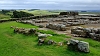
(12, 44)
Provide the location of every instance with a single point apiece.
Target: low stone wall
(59, 27)
(86, 32)
(43, 39)
(24, 31)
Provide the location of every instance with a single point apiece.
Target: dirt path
(58, 32)
(92, 26)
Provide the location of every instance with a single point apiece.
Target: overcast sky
(51, 4)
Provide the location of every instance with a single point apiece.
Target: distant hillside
(2, 16)
(40, 12)
(5, 15)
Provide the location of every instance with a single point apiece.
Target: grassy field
(35, 12)
(2, 16)
(49, 12)
(12, 44)
(40, 12)
(89, 13)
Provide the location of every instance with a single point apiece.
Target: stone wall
(86, 32)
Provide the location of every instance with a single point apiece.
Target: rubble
(25, 31)
(40, 41)
(50, 42)
(41, 36)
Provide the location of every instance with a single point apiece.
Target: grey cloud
(51, 4)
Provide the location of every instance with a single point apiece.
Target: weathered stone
(40, 36)
(71, 13)
(63, 27)
(83, 46)
(60, 43)
(87, 30)
(54, 43)
(97, 37)
(49, 35)
(60, 27)
(32, 31)
(92, 35)
(41, 26)
(24, 31)
(47, 25)
(50, 42)
(78, 31)
(78, 45)
(95, 31)
(80, 28)
(98, 32)
(12, 27)
(73, 42)
(40, 41)
(16, 30)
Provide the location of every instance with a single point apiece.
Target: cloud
(40, 2)
(6, 2)
(51, 4)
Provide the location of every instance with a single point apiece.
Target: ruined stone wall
(86, 32)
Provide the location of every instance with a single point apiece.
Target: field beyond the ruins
(12, 44)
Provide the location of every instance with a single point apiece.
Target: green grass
(40, 12)
(2, 16)
(49, 12)
(12, 44)
(89, 12)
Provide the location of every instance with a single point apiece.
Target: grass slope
(12, 44)
(40, 12)
(49, 12)
(2, 16)
(89, 13)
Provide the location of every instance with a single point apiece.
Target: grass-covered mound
(12, 44)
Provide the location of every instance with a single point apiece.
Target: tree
(5, 11)
(21, 14)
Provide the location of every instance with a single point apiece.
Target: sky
(51, 4)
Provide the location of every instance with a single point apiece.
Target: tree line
(20, 14)
(16, 14)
